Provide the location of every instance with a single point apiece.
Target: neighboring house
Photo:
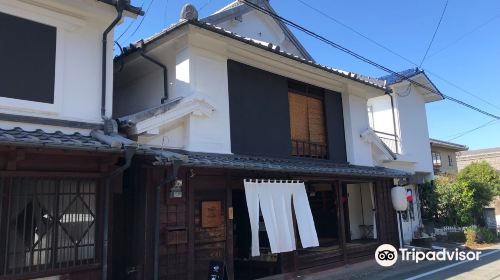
(56, 162)
(444, 156)
(219, 107)
(399, 121)
(491, 156)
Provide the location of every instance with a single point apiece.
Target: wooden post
(229, 229)
(190, 225)
(342, 221)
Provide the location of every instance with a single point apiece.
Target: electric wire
(362, 58)
(461, 134)
(130, 24)
(434, 35)
(465, 35)
(405, 58)
(142, 20)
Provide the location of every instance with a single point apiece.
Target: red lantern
(409, 195)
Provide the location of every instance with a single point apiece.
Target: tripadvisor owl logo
(386, 255)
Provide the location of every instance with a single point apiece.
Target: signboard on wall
(211, 215)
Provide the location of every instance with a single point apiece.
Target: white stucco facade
(407, 119)
(77, 86)
(197, 66)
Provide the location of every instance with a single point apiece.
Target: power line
(463, 90)
(458, 135)
(130, 24)
(355, 31)
(165, 12)
(142, 19)
(362, 58)
(465, 35)
(401, 56)
(434, 35)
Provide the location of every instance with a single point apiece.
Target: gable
(244, 21)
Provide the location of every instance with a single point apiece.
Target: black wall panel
(258, 108)
(335, 126)
(27, 59)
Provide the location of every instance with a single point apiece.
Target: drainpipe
(394, 122)
(129, 153)
(163, 67)
(120, 6)
(175, 165)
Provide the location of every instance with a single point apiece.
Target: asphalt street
(487, 267)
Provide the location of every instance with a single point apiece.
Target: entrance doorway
(246, 266)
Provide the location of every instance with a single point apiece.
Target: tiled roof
(40, 138)
(446, 144)
(393, 79)
(290, 165)
(148, 113)
(376, 83)
(230, 6)
(481, 152)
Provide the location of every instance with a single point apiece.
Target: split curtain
(274, 198)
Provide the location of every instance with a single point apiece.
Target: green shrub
(474, 234)
(470, 235)
(485, 235)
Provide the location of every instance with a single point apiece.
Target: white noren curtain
(275, 200)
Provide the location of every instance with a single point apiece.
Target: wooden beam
(190, 225)
(229, 229)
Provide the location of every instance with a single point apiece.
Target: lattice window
(46, 224)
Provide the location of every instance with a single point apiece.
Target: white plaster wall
(358, 151)
(209, 80)
(78, 61)
(138, 94)
(414, 133)
(257, 26)
(411, 126)
(139, 85)
(191, 71)
(382, 114)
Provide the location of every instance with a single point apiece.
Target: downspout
(120, 6)
(129, 153)
(163, 67)
(394, 122)
(175, 165)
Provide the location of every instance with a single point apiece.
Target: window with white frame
(28, 59)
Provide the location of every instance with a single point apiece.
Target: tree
(481, 172)
(429, 202)
(461, 202)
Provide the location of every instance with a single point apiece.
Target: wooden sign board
(211, 215)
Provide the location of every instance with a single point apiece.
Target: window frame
(62, 23)
(55, 267)
(436, 159)
(318, 93)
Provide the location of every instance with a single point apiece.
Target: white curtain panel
(305, 221)
(252, 197)
(275, 200)
(374, 211)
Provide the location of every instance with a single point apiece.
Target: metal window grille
(46, 224)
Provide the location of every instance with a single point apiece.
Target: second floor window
(28, 59)
(436, 159)
(307, 125)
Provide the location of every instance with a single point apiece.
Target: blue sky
(465, 52)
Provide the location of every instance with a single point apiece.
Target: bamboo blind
(307, 121)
